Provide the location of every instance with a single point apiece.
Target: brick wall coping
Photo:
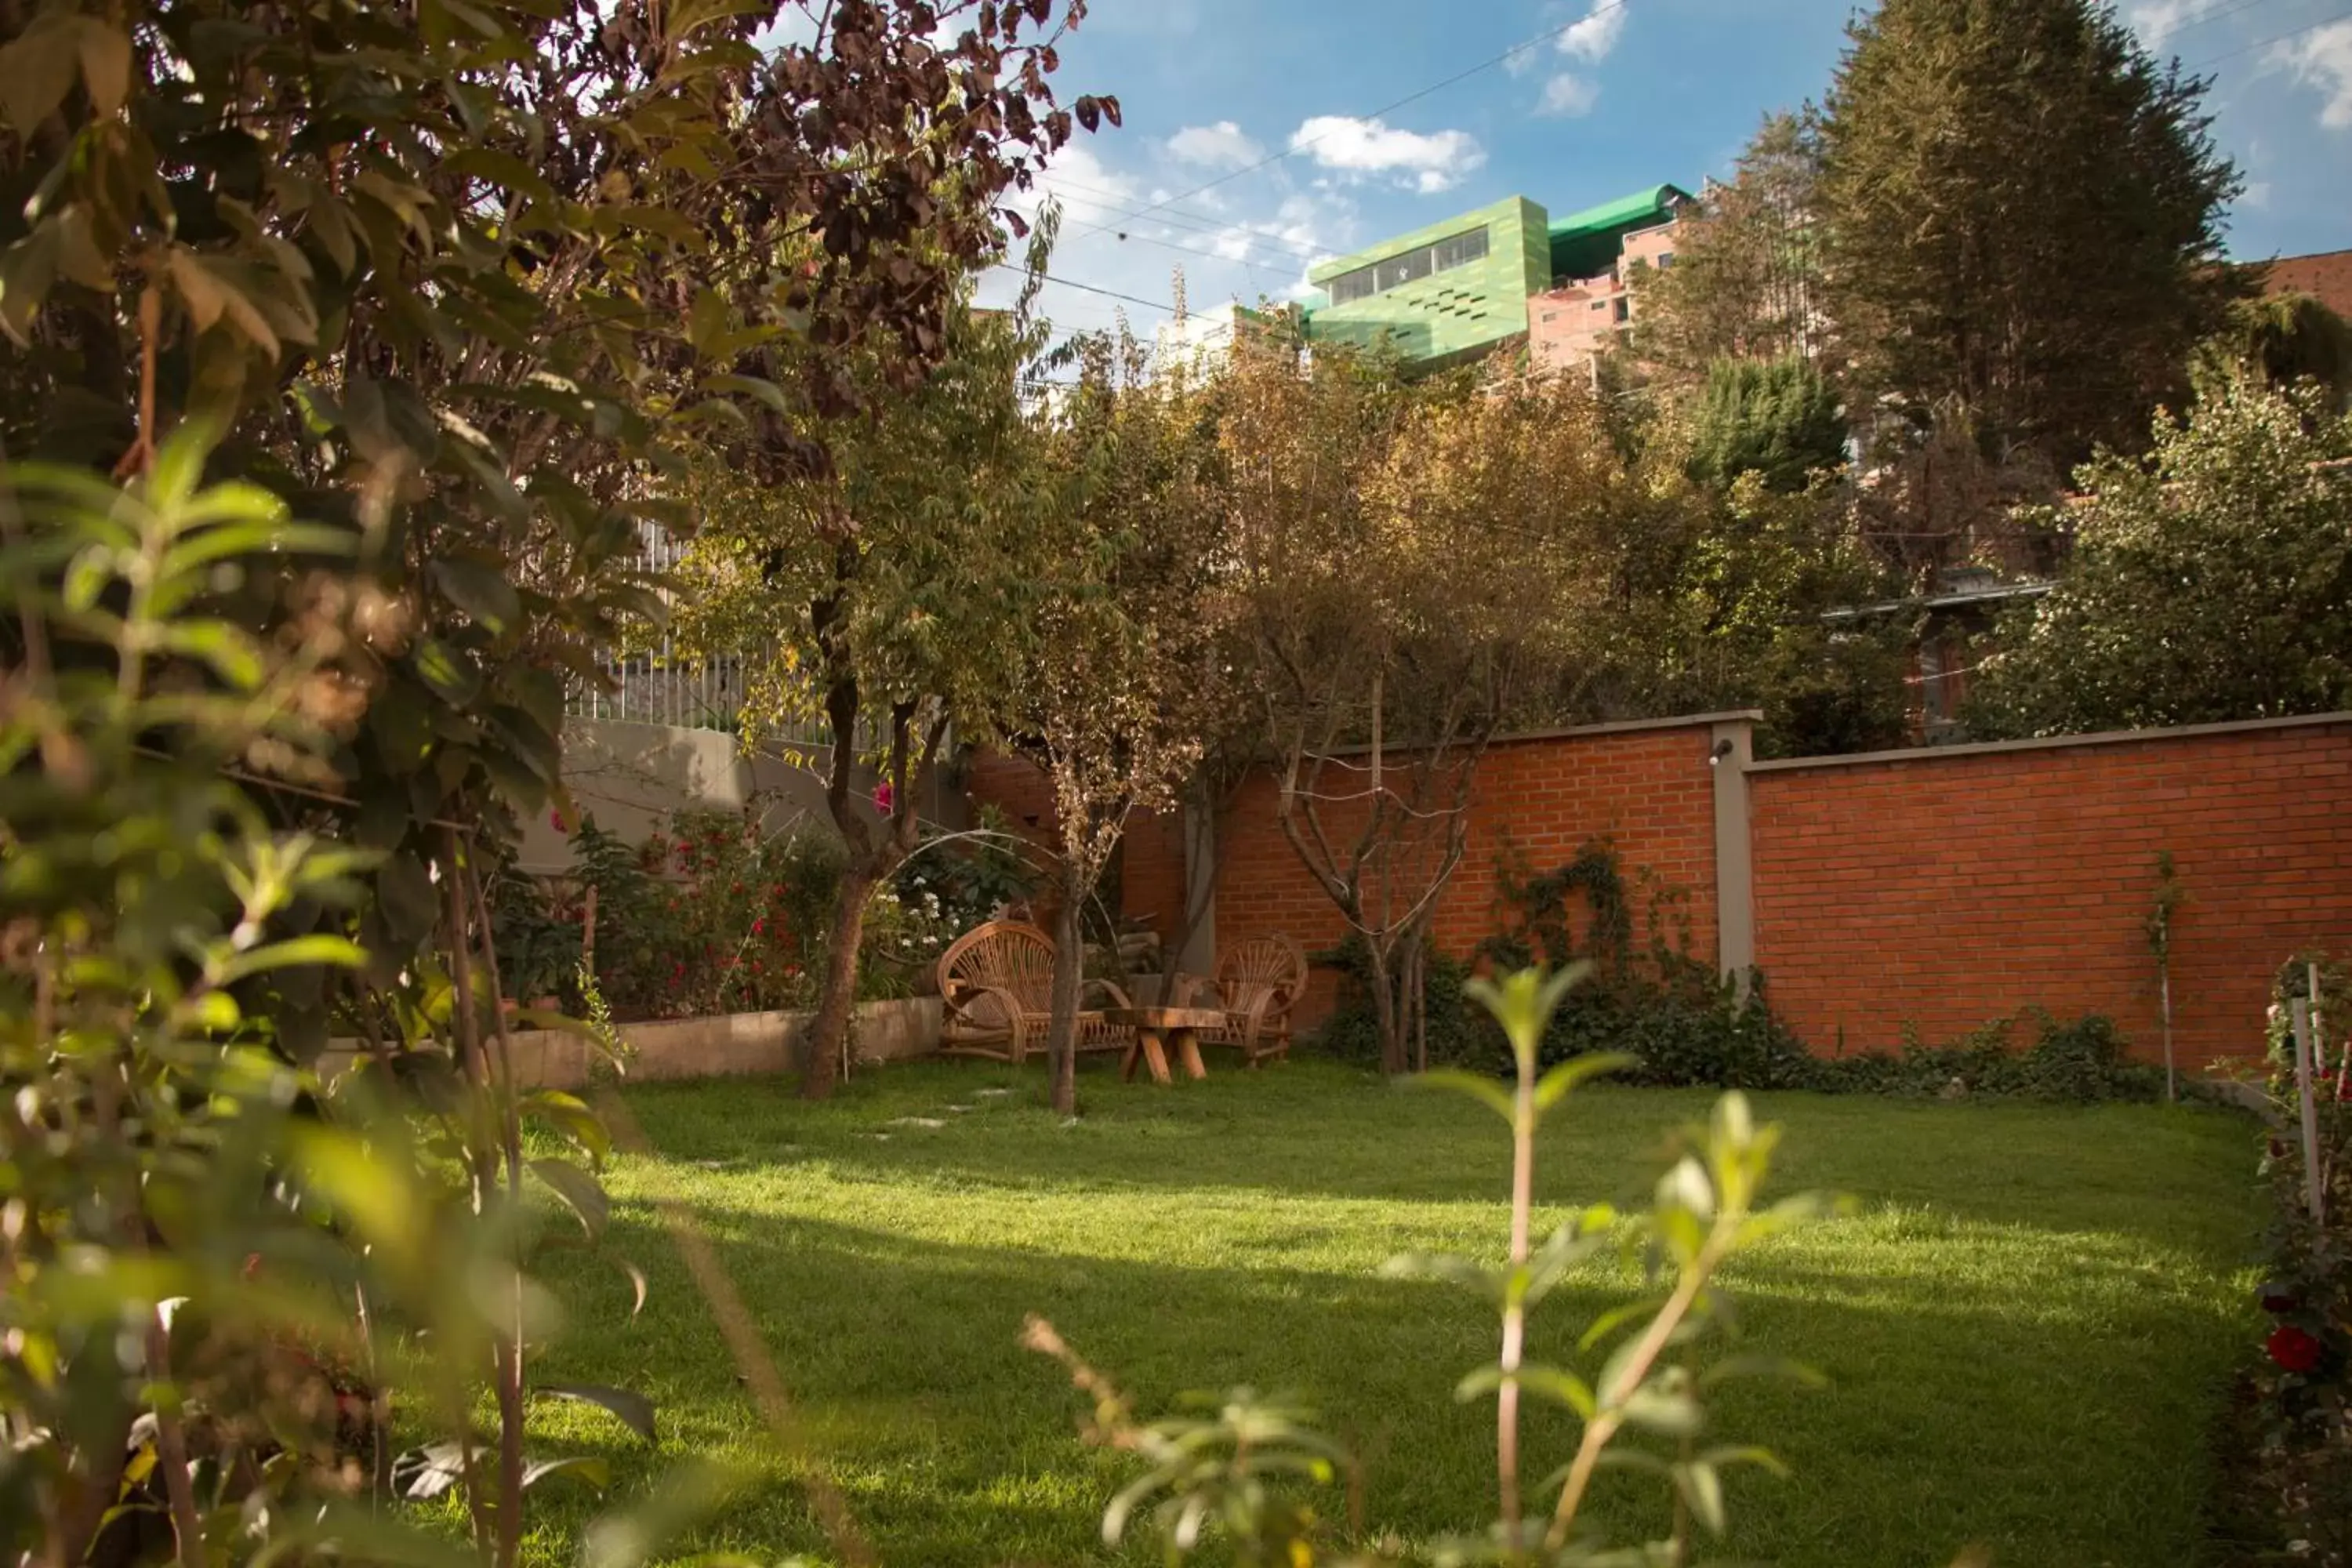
(1576, 732)
(2046, 743)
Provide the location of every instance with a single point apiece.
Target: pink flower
(555, 820)
(883, 796)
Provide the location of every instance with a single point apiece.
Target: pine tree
(2020, 215)
(1779, 418)
(1745, 282)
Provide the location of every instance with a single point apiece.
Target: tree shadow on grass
(2173, 1177)
(2062, 1428)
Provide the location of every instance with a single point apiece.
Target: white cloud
(2256, 197)
(2158, 19)
(1568, 94)
(1427, 163)
(2323, 59)
(1589, 40)
(1219, 146)
(1255, 245)
(1596, 32)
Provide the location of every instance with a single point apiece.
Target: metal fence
(695, 692)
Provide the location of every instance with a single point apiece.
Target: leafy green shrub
(1681, 1025)
(712, 916)
(2078, 1062)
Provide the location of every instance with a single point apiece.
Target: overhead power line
(1302, 143)
(2210, 14)
(1086, 288)
(2266, 42)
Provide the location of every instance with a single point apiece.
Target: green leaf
(1773, 1366)
(28, 269)
(105, 65)
(1615, 1317)
(1487, 1091)
(209, 294)
(482, 591)
(1555, 1383)
(448, 673)
(634, 1409)
(499, 168)
(406, 899)
(570, 1116)
(753, 387)
(580, 1193)
(38, 69)
(1655, 1409)
(374, 1196)
(1702, 1489)
(232, 655)
(318, 947)
(1559, 1083)
(586, 1467)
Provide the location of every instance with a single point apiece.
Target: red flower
(735, 887)
(759, 928)
(555, 820)
(2293, 1349)
(777, 892)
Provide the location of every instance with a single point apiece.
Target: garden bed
(729, 1044)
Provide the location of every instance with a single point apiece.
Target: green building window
(1457, 250)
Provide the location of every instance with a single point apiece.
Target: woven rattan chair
(997, 985)
(1258, 984)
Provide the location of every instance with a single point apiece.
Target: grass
(2028, 1327)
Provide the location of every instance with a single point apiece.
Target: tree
(2022, 214)
(1126, 675)
(1417, 562)
(882, 597)
(1778, 419)
(2211, 580)
(454, 283)
(1747, 277)
(2279, 339)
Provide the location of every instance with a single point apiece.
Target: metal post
(2314, 1195)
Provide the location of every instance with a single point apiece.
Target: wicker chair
(996, 987)
(1258, 983)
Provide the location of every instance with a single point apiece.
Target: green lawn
(2026, 1329)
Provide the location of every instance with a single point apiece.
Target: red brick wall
(1941, 889)
(1650, 789)
(1947, 889)
(2327, 275)
(1151, 871)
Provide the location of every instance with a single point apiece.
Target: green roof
(1585, 243)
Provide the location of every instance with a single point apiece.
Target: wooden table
(1157, 1028)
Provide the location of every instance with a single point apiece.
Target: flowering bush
(712, 915)
(2304, 1380)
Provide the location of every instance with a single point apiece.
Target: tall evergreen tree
(1779, 418)
(1745, 282)
(2021, 211)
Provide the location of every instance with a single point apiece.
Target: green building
(1458, 289)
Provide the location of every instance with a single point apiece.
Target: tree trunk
(1387, 1015)
(837, 993)
(1069, 980)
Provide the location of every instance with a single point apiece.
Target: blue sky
(1626, 93)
